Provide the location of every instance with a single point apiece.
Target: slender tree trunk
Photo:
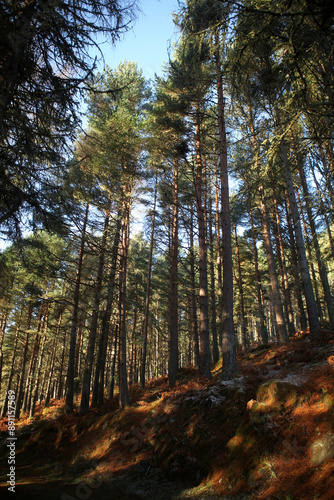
(215, 350)
(311, 306)
(230, 367)
(283, 272)
(74, 322)
(297, 284)
(263, 326)
(204, 338)
(24, 362)
(282, 335)
(33, 356)
(113, 365)
(98, 390)
(88, 368)
(173, 326)
(48, 393)
(194, 323)
(122, 370)
(219, 266)
(310, 259)
(241, 296)
(37, 377)
(321, 266)
(12, 365)
(148, 289)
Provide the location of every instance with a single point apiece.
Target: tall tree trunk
(282, 335)
(98, 390)
(321, 266)
(263, 326)
(283, 272)
(241, 295)
(297, 284)
(148, 289)
(194, 323)
(122, 370)
(24, 361)
(48, 392)
(219, 265)
(37, 377)
(173, 304)
(204, 339)
(87, 374)
(12, 365)
(74, 322)
(311, 306)
(215, 350)
(113, 365)
(230, 367)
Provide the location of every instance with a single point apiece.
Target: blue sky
(148, 41)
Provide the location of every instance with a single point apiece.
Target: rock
(275, 392)
(322, 449)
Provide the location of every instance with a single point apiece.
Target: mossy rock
(276, 392)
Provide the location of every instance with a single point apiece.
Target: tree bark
(173, 325)
(74, 321)
(230, 367)
(148, 289)
(204, 339)
(122, 370)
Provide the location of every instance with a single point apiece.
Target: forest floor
(268, 434)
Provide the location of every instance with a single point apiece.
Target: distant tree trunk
(87, 375)
(241, 295)
(282, 335)
(37, 377)
(204, 339)
(230, 367)
(48, 392)
(98, 390)
(74, 321)
(281, 262)
(173, 326)
(113, 365)
(310, 259)
(219, 266)
(297, 284)
(23, 362)
(215, 350)
(323, 210)
(321, 267)
(311, 306)
(148, 289)
(194, 323)
(263, 326)
(12, 365)
(33, 356)
(61, 368)
(122, 370)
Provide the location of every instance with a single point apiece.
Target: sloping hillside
(269, 434)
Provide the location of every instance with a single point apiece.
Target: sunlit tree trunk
(263, 326)
(87, 374)
(74, 321)
(243, 326)
(148, 289)
(204, 339)
(23, 361)
(230, 367)
(173, 325)
(98, 389)
(122, 370)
